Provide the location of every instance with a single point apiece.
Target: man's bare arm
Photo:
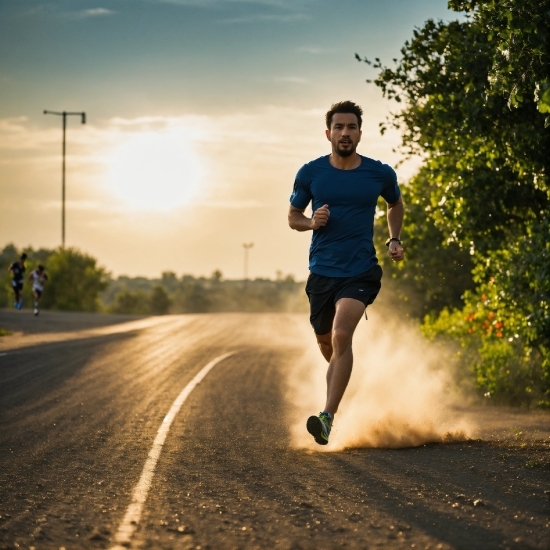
(299, 222)
(396, 211)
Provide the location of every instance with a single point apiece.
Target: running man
(38, 278)
(343, 189)
(17, 270)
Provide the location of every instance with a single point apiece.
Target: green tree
(436, 273)
(159, 302)
(473, 93)
(193, 297)
(8, 255)
(131, 303)
(75, 281)
(519, 32)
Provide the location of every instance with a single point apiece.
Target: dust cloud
(401, 393)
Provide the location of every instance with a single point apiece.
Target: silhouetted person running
(17, 270)
(38, 278)
(343, 189)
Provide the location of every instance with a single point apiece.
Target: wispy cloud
(92, 12)
(16, 135)
(53, 10)
(284, 4)
(283, 11)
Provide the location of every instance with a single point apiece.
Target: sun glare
(154, 170)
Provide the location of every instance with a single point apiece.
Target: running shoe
(319, 427)
(36, 311)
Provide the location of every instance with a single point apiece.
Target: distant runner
(17, 270)
(38, 278)
(343, 189)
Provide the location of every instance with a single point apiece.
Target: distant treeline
(78, 283)
(188, 294)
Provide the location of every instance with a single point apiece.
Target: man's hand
(320, 217)
(395, 251)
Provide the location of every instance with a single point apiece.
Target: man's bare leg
(324, 341)
(348, 315)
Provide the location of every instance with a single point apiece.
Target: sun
(154, 170)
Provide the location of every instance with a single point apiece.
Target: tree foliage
(9, 254)
(520, 32)
(435, 274)
(75, 281)
(474, 93)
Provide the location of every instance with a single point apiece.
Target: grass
(4, 332)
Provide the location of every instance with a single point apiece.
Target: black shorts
(17, 285)
(324, 292)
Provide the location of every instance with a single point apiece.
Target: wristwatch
(393, 239)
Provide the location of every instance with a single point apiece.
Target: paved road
(82, 398)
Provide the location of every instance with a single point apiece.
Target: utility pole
(246, 247)
(64, 114)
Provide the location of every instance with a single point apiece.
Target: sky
(199, 113)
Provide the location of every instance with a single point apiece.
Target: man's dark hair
(344, 107)
(23, 256)
(40, 268)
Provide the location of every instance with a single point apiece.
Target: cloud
(287, 11)
(15, 135)
(93, 12)
(283, 4)
(52, 10)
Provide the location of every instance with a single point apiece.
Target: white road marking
(133, 513)
(2, 354)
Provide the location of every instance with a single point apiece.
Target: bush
(75, 281)
(131, 303)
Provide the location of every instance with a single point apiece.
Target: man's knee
(341, 338)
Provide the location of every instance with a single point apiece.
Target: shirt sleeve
(301, 194)
(391, 192)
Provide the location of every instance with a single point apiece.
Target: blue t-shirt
(344, 247)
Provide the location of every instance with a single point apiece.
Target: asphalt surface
(83, 396)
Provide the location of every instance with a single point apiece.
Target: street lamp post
(246, 247)
(64, 114)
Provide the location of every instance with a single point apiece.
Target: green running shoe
(319, 427)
